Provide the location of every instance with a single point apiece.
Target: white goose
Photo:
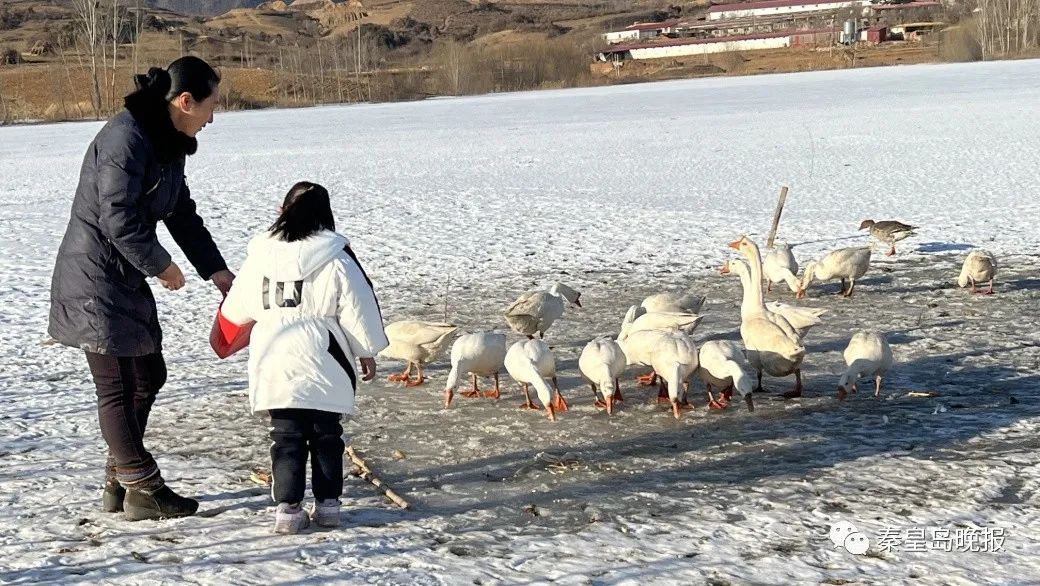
(530, 362)
(638, 348)
(673, 303)
(478, 354)
(979, 267)
(868, 354)
(638, 320)
(601, 363)
(674, 356)
(847, 264)
(417, 343)
(772, 347)
(801, 319)
(660, 320)
(780, 266)
(535, 311)
(721, 363)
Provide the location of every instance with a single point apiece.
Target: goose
(638, 348)
(535, 311)
(721, 363)
(673, 303)
(800, 319)
(417, 343)
(889, 232)
(476, 354)
(847, 264)
(674, 356)
(780, 266)
(637, 320)
(771, 343)
(979, 267)
(662, 320)
(601, 363)
(530, 362)
(868, 354)
(751, 305)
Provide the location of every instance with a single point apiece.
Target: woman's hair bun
(156, 81)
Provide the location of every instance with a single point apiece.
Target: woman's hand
(172, 278)
(222, 280)
(368, 368)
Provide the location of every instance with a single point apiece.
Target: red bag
(226, 337)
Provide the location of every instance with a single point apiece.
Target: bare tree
(1006, 27)
(138, 22)
(64, 42)
(88, 22)
(3, 101)
(116, 28)
(451, 62)
(335, 71)
(358, 14)
(321, 72)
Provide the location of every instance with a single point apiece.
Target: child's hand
(368, 368)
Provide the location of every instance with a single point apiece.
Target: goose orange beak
(735, 245)
(724, 270)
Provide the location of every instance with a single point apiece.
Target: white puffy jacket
(315, 314)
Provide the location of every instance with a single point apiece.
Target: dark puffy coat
(131, 179)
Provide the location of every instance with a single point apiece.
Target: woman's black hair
(187, 74)
(305, 211)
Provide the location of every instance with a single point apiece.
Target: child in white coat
(316, 316)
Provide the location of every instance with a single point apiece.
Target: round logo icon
(840, 531)
(857, 543)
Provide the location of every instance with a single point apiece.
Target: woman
(316, 315)
(133, 177)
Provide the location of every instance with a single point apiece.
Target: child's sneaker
(290, 519)
(326, 513)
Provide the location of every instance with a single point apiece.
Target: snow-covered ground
(619, 192)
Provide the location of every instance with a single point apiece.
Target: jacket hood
(294, 261)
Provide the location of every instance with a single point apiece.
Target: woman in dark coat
(131, 179)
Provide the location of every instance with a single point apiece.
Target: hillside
(203, 7)
(300, 52)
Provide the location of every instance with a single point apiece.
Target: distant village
(775, 24)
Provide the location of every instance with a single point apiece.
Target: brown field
(278, 57)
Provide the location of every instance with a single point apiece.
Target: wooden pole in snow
(776, 216)
(366, 474)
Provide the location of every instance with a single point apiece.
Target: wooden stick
(366, 474)
(776, 216)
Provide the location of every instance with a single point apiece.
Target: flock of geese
(657, 335)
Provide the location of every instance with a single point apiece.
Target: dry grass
(49, 91)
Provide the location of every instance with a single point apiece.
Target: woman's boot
(152, 499)
(112, 498)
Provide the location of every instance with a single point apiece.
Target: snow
(619, 192)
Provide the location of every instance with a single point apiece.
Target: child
(315, 313)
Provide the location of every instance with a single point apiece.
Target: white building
(684, 47)
(641, 31)
(780, 7)
(622, 36)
